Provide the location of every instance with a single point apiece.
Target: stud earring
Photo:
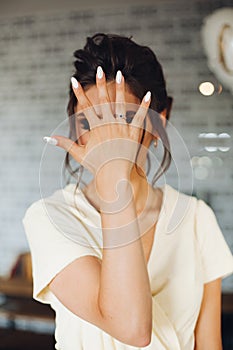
(155, 143)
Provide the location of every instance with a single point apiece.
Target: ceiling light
(206, 88)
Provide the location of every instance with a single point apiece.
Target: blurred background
(37, 41)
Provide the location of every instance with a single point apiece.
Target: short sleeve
(50, 250)
(216, 256)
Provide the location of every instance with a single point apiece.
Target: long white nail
(100, 72)
(118, 77)
(50, 140)
(74, 82)
(148, 96)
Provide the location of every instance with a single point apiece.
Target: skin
(101, 293)
(139, 183)
(208, 327)
(92, 296)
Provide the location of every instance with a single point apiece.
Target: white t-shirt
(189, 250)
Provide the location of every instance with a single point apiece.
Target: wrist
(114, 196)
(107, 179)
(115, 170)
(110, 187)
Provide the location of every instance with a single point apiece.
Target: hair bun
(98, 38)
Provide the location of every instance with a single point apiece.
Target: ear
(163, 115)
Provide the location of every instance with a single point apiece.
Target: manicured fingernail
(50, 140)
(74, 82)
(118, 77)
(147, 96)
(100, 72)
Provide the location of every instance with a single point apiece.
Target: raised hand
(113, 143)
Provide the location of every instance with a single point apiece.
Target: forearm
(209, 344)
(124, 294)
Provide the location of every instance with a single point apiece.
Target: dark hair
(141, 71)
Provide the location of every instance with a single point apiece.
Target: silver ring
(120, 116)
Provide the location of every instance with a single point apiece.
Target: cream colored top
(189, 250)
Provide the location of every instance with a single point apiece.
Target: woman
(129, 285)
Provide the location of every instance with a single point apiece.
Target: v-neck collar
(88, 208)
(96, 217)
(163, 208)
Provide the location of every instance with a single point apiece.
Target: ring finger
(104, 99)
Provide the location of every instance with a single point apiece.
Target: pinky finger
(142, 111)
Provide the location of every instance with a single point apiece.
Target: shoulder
(48, 213)
(63, 217)
(185, 199)
(179, 207)
(33, 210)
(58, 202)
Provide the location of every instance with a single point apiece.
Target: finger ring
(120, 116)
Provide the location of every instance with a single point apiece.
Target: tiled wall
(35, 67)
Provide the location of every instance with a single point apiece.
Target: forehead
(131, 100)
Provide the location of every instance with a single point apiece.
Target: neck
(140, 187)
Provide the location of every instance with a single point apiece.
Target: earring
(155, 143)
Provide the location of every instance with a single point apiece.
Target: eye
(84, 124)
(129, 116)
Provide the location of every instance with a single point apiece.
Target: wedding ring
(120, 116)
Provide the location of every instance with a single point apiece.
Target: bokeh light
(206, 88)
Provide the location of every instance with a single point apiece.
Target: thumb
(76, 151)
